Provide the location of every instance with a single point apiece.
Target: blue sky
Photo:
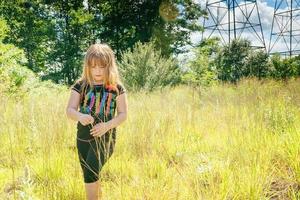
(270, 2)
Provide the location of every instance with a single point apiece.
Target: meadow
(224, 142)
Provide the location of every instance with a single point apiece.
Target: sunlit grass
(231, 142)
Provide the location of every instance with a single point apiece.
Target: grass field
(229, 142)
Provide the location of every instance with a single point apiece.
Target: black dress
(99, 102)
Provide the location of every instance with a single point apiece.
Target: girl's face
(97, 70)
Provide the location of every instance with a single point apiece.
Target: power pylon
(230, 18)
(285, 33)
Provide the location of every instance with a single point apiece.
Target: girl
(97, 94)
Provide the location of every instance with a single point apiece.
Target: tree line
(235, 61)
(54, 34)
(50, 38)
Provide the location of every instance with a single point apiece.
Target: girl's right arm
(72, 110)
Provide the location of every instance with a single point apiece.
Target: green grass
(231, 142)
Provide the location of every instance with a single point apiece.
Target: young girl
(97, 94)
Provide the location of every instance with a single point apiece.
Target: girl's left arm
(122, 112)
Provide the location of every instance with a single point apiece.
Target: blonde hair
(103, 54)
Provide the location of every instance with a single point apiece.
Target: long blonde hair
(104, 54)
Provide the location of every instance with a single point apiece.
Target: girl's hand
(86, 119)
(99, 129)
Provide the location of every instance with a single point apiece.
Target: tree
(28, 30)
(256, 64)
(55, 34)
(201, 71)
(72, 37)
(230, 60)
(179, 19)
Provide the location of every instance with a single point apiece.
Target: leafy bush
(283, 68)
(145, 68)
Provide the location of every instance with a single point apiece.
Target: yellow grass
(231, 142)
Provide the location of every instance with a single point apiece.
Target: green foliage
(230, 60)
(12, 73)
(4, 29)
(145, 68)
(297, 61)
(173, 30)
(55, 34)
(256, 64)
(29, 30)
(200, 69)
(16, 79)
(284, 68)
(239, 60)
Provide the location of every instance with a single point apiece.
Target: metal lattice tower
(286, 28)
(230, 19)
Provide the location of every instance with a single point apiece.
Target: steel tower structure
(230, 19)
(286, 28)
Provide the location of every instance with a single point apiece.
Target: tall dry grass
(230, 142)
